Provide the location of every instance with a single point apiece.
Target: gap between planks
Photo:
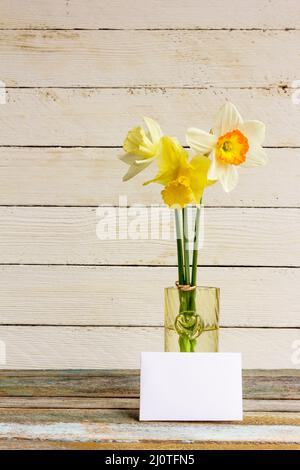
(90, 325)
(151, 265)
(229, 29)
(40, 146)
(150, 88)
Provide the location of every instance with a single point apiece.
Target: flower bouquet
(191, 312)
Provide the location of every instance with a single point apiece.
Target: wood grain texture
(102, 117)
(89, 295)
(29, 444)
(272, 405)
(100, 403)
(107, 426)
(258, 385)
(171, 14)
(63, 176)
(149, 58)
(67, 235)
(129, 403)
(111, 417)
(42, 347)
(99, 409)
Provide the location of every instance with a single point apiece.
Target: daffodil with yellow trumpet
(141, 147)
(184, 180)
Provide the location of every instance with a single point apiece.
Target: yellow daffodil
(143, 145)
(184, 180)
(232, 143)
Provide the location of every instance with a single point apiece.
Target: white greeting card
(191, 387)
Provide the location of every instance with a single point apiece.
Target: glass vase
(192, 319)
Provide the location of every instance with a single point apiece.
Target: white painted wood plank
(115, 348)
(80, 117)
(150, 14)
(63, 176)
(67, 235)
(81, 295)
(149, 58)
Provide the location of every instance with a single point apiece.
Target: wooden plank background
(155, 14)
(102, 116)
(77, 76)
(149, 58)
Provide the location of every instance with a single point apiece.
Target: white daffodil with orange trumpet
(231, 143)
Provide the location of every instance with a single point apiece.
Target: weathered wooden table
(94, 409)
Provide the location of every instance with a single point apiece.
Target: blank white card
(191, 386)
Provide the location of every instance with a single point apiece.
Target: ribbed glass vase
(192, 319)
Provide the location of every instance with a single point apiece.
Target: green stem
(181, 277)
(184, 344)
(195, 248)
(186, 245)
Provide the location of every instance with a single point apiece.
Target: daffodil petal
(170, 154)
(216, 169)
(200, 141)
(128, 158)
(198, 175)
(154, 129)
(141, 162)
(131, 159)
(229, 178)
(228, 119)
(161, 178)
(256, 156)
(134, 169)
(171, 158)
(254, 131)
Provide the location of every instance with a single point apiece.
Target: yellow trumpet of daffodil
(184, 180)
(141, 147)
